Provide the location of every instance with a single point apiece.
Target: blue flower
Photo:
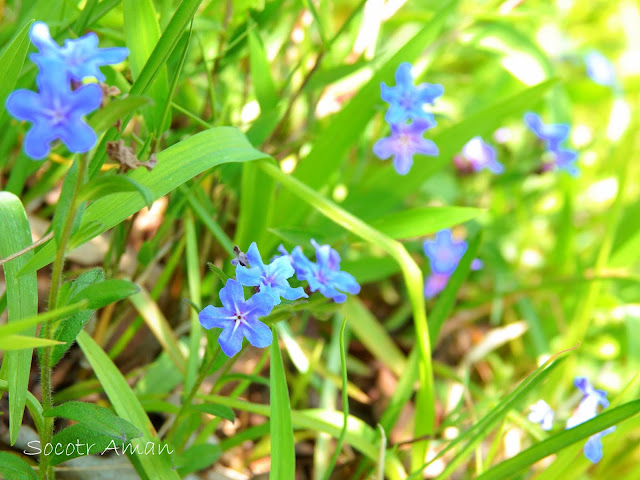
(407, 101)
(238, 318)
(481, 155)
(324, 275)
(553, 134)
(444, 252)
(600, 69)
(435, 283)
(56, 113)
(588, 409)
(405, 141)
(541, 413)
(271, 279)
(80, 57)
(566, 160)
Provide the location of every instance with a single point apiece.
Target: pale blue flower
(600, 69)
(407, 101)
(552, 134)
(405, 141)
(325, 275)
(238, 318)
(271, 278)
(435, 283)
(541, 413)
(81, 57)
(56, 113)
(444, 252)
(480, 155)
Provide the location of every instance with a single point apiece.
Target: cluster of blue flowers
(587, 409)
(57, 109)
(407, 103)
(554, 135)
(444, 254)
(239, 318)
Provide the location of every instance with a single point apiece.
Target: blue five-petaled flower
(325, 275)
(407, 101)
(271, 278)
(554, 135)
(405, 141)
(238, 318)
(588, 409)
(481, 155)
(80, 58)
(444, 252)
(56, 113)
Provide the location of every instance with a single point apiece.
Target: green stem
(192, 393)
(46, 470)
(425, 408)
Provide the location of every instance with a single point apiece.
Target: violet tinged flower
(435, 283)
(56, 113)
(541, 413)
(325, 275)
(600, 69)
(588, 409)
(553, 134)
(405, 141)
(80, 57)
(478, 155)
(407, 101)
(566, 160)
(444, 252)
(238, 318)
(271, 278)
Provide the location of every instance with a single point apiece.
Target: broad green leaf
(217, 410)
(418, 222)
(197, 457)
(95, 417)
(13, 467)
(373, 335)
(176, 165)
(22, 301)
(557, 442)
(110, 291)
(11, 63)
(111, 184)
(117, 110)
(80, 439)
(142, 34)
(283, 455)
(20, 342)
(128, 407)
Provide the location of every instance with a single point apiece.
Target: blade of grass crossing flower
(127, 406)
(11, 63)
(345, 406)
(283, 455)
(176, 165)
(334, 142)
(373, 335)
(557, 442)
(193, 277)
(479, 430)
(425, 406)
(22, 301)
(142, 34)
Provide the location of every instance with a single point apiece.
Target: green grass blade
(418, 222)
(283, 455)
(22, 301)
(127, 406)
(11, 63)
(142, 33)
(12, 343)
(263, 84)
(557, 442)
(176, 165)
(193, 276)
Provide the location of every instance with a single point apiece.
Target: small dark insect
(241, 257)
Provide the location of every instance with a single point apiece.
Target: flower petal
(249, 277)
(281, 268)
(593, 448)
(404, 79)
(24, 105)
(427, 147)
(345, 282)
(253, 255)
(214, 317)
(291, 293)
(86, 99)
(259, 305)
(37, 141)
(384, 148)
(402, 162)
(429, 92)
(258, 334)
(230, 341)
(232, 296)
(77, 136)
(41, 38)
